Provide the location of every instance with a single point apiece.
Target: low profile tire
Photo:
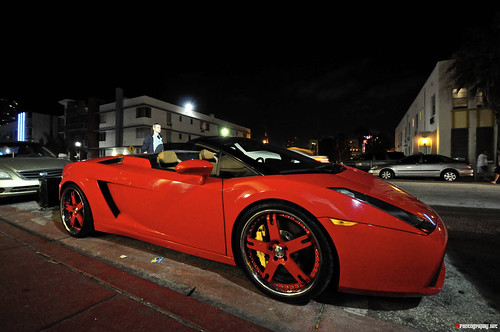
(284, 252)
(449, 175)
(75, 212)
(386, 174)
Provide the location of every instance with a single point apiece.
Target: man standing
(482, 165)
(153, 143)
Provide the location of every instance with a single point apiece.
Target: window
(460, 98)
(102, 137)
(433, 105)
(142, 132)
(479, 98)
(204, 126)
(102, 118)
(143, 112)
(169, 119)
(232, 168)
(430, 159)
(411, 160)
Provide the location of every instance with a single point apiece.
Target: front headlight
(5, 176)
(425, 225)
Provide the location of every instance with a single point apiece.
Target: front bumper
(18, 187)
(382, 261)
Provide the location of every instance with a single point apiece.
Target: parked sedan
(369, 160)
(23, 164)
(425, 165)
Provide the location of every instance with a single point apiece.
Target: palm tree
(477, 65)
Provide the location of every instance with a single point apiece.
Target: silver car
(425, 165)
(23, 164)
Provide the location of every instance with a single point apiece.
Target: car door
(163, 204)
(409, 166)
(431, 165)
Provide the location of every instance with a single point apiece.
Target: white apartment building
(124, 124)
(446, 120)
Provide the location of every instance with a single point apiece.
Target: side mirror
(195, 167)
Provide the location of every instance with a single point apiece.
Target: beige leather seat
(167, 159)
(210, 157)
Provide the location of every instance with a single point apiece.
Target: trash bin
(48, 193)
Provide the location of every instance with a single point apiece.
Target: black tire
(76, 214)
(449, 175)
(386, 174)
(284, 252)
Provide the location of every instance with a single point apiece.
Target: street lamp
(224, 132)
(77, 146)
(189, 107)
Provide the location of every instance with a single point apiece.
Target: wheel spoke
(270, 270)
(79, 218)
(298, 243)
(254, 244)
(299, 275)
(73, 200)
(273, 227)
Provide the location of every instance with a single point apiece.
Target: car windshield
(270, 159)
(24, 149)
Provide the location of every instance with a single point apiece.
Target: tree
(477, 64)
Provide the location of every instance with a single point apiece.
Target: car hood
(32, 163)
(370, 185)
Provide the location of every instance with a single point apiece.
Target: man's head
(157, 128)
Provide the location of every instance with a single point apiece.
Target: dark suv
(368, 160)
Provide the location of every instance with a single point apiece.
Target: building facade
(446, 120)
(31, 127)
(124, 124)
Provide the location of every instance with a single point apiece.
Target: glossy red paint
(190, 211)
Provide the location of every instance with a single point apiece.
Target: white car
(23, 164)
(426, 166)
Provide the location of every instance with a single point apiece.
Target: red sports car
(292, 223)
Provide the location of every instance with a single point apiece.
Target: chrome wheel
(386, 174)
(450, 176)
(285, 254)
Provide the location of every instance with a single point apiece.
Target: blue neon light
(21, 126)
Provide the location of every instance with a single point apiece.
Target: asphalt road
(471, 293)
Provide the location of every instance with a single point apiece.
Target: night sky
(291, 72)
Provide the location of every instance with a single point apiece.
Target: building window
(479, 99)
(460, 119)
(433, 105)
(102, 137)
(169, 119)
(102, 118)
(142, 132)
(204, 126)
(460, 98)
(143, 112)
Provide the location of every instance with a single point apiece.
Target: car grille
(40, 174)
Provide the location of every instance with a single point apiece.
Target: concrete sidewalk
(46, 286)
